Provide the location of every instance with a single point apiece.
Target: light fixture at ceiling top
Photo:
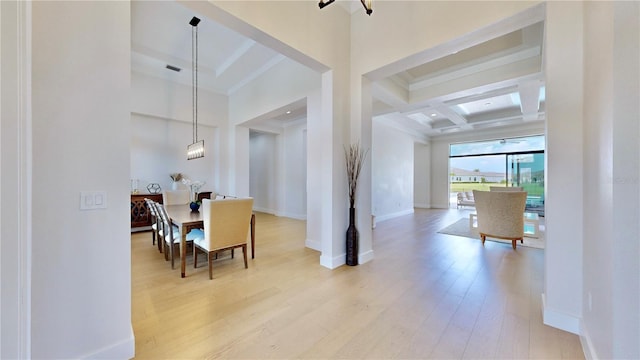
(365, 3)
(196, 149)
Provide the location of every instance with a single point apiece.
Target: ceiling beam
(237, 54)
(529, 99)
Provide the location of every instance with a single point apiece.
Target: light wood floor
(425, 295)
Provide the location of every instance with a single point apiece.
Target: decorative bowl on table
(195, 206)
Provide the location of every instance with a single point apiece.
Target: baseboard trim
(264, 210)
(587, 345)
(559, 320)
(422, 206)
(294, 216)
(380, 218)
(312, 244)
(125, 349)
(140, 229)
(333, 262)
(365, 257)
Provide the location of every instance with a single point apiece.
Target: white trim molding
(380, 218)
(587, 345)
(15, 190)
(124, 349)
(559, 320)
(312, 244)
(332, 263)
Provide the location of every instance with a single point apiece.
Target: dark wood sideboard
(140, 215)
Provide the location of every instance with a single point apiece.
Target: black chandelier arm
(322, 3)
(367, 8)
(365, 3)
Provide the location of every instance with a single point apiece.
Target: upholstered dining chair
(175, 197)
(171, 235)
(501, 214)
(226, 226)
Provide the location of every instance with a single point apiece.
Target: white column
(564, 168)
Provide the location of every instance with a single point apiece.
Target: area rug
(461, 228)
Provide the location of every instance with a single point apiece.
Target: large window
(502, 162)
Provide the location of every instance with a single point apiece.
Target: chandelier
(365, 3)
(196, 149)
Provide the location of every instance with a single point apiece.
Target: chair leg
(195, 256)
(513, 243)
(232, 253)
(483, 238)
(166, 251)
(173, 251)
(244, 253)
(210, 265)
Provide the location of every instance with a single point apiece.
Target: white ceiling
(496, 83)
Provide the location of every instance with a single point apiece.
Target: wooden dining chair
(155, 222)
(171, 235)
(175, 197)
(226, 226)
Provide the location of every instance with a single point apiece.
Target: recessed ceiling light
(434, 115)
(289, 112)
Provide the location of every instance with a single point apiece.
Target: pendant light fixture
(196, 149)
(365, 3)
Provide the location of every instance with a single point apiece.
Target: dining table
(185, 219)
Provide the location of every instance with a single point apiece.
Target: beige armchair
(226, 226)
(504, 188)
(500, 214)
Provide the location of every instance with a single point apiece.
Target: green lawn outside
(531, 189)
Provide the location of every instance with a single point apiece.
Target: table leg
(253, 236)
(183, 251)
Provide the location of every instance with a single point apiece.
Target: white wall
(169, 100)
(162, 127)
(263, 171)
(295, 171)
(158, 148)
(392, 172)
(81, 269)
(278, 171)
(610, 297)
(421, 175)
(283, 84)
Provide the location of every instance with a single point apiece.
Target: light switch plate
(90, 200)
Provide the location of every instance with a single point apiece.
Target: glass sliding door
(499, 162)
(526, 170)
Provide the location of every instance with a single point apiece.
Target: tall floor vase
(352, 239)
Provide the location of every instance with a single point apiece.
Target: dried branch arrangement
(354, 157)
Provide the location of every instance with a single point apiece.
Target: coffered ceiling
(497, 83)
